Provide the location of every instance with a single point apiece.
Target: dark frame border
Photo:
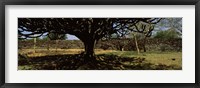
(3, 3)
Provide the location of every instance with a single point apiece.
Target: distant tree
(45, 38)
(56, 36)
(167, 34)
(170, 23)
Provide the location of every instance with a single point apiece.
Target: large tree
(88, 30)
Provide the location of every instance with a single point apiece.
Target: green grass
(167, 58)
(25, 67)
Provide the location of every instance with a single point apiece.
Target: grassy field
(167, 58)
(156, 58)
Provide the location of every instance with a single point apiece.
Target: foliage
(167, 34)
(170, 23)
(105, 46)
(56, 36)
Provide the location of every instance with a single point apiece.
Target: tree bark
(136, 44)
(89, 50)
(34, 45)
(48, 47)
(121, 48)
(144, 43)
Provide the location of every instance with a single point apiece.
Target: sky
(71, 37)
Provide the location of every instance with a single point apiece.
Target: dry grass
(45, 52)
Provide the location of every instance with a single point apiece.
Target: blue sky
(71, 37)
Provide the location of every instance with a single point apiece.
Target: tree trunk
(89, 50)
(144, 43)
(48, 47)
(136, 44)
(121, 48)
(34, 45)
(56, 44)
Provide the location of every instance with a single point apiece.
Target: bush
(165, 47)
(105, 46)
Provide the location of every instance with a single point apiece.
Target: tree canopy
(76, 26)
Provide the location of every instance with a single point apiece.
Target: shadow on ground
(76, 62)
